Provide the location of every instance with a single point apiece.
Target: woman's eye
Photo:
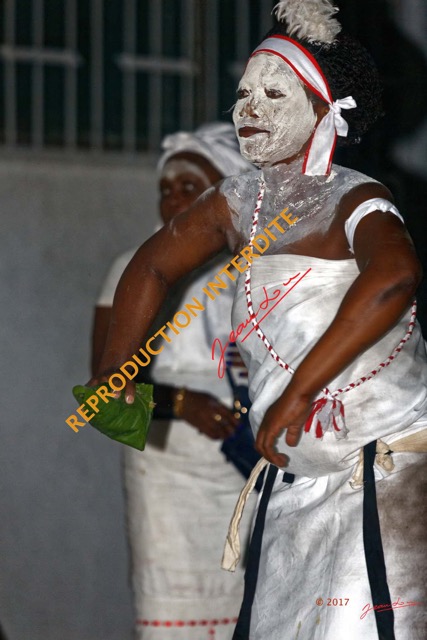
(189, 186)
(273, 93)
(164, 192)
(242, 93)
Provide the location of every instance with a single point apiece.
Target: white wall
(63, 556)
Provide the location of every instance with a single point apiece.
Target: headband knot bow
(341, 126)
(319, 154)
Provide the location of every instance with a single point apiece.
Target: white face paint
(272, 98)
(176, 167)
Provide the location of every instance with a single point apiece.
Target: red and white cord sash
(327, 411)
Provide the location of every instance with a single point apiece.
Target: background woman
(181, 490)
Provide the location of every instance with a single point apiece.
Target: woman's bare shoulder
(359, 194)
(356, 189)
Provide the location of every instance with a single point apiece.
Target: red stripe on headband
(332, 153)
(307, 153)
(310, 57)
(307, 54)
(298, 73)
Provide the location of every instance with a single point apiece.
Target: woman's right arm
(185, 243)
(198, 409)
(101, 322)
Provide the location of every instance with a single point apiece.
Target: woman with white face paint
(273, 114)
(337, 365)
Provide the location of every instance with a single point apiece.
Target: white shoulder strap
(374, 204)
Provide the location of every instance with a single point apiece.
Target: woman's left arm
(389, 276)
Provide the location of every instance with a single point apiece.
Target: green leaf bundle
(126, 423)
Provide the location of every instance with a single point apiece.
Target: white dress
(312, 544)
(181, 493)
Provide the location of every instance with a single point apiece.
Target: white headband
(318, 157)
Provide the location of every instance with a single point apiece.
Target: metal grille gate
(119, 74)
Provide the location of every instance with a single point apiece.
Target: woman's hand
(208, 415)
(289, 412)
(129, 390)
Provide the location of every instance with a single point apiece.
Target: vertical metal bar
(10, 76)
(210, 68)
(37, 97)
(266, 19)
(129, 77)
(70, 106)
(97, 75)
(155, 78)
(242, 29)
(186, 119)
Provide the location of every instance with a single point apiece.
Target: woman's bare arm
(185, 243)
(389, 275)
(101, 322)
(198, 409)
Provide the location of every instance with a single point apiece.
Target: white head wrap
(216, 142)
(319, 154)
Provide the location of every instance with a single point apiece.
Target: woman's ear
(320, 109)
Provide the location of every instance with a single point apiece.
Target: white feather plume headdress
(309, 20)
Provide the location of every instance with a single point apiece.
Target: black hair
(350, 71)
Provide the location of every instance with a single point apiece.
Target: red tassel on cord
(324, 420)
(337, 404)
(317, 405)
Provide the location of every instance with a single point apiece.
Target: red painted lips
(247, 132)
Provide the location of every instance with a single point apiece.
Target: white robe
(312, 543)
(181, 493)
